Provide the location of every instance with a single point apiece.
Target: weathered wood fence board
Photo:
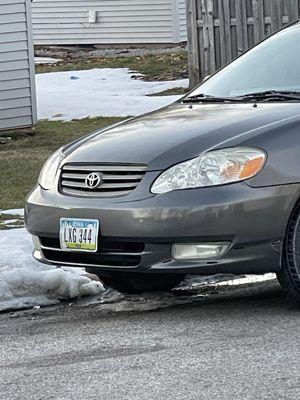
(220, 30)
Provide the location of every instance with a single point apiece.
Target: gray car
(210, 184)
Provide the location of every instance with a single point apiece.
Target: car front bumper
(137, 232)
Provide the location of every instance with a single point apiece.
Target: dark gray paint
(178, 133)
(247, 216)
(253, 214)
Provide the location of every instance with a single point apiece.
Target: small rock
(4, 139)
(137, 76)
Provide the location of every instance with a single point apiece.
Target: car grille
(117, 179)
(111, 253)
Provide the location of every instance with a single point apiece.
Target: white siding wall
(17, 92)
(182, 20)
(103, 21)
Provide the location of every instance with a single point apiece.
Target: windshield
(272, 65)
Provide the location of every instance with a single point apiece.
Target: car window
(272, 65)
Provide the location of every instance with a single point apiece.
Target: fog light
(37, 254)
(36, 243)
(199, 251)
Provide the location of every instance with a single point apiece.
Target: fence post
(211, 36)
(193, 44)
(218, 31)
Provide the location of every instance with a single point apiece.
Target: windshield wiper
(199, 98)
(271, 95)
(256, 97)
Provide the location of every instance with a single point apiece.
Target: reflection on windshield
(272, 65)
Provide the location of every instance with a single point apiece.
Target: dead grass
(168, 66)
(171, 92)
(23, 156)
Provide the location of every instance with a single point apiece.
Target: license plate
(79, 234)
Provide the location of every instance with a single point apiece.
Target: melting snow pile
(105, 92)
(25, 283)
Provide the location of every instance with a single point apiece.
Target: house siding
(17, 92)
(182, 20)
(103, 21)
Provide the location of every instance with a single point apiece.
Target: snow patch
(26, 283)
(46, 60)
(247, 279)
(16, 212)
(195, 282)
(105, 92)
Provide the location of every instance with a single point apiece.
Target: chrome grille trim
(73, 192)
(103, 186)
(105, 177)
(106, 167)
(117, 180)
(109, 253)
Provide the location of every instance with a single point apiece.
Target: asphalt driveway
(240, 343)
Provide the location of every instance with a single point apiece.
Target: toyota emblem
(93, 180)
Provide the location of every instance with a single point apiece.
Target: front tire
(289, 274)
(136, 283)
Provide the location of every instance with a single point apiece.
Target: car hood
(180, 132)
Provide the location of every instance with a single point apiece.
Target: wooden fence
(220, 30)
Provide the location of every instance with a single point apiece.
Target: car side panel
(282, 145)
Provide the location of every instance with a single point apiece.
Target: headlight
(213, 168)
(49, 170)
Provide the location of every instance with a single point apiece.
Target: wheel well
(295, 211)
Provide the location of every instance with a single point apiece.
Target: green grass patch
(171, 92)
(166, 66)
(23, 156)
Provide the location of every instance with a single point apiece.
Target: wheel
(289, 274)
(135, 283)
